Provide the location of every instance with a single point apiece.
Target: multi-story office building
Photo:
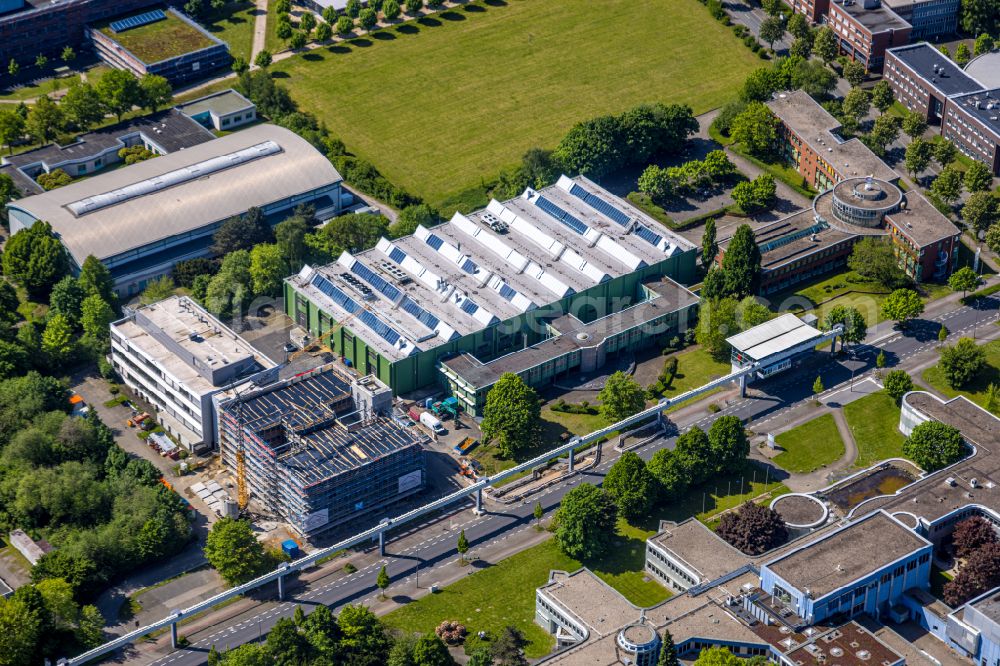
(571, 273)
(966, 111)
(866, 29)
(929, 18)
(177, 356)
(320, 448)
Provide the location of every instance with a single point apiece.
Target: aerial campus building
(543, 284)
(833, 594)
(175, 355)
(142, 219)
(320, 448)
(965, 109)
(859, 197)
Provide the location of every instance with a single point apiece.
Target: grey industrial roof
(948, 79)
(703, 550)
(875, 20)
(985, 68)
(773, 337)
(221, 103)
(792, 238)
(842, 557)
(294, 168)
(988, 111)
(921, 221)
(814, 125)
(461, 276)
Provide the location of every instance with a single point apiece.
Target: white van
(432, 422)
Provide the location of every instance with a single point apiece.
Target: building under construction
(320, 449)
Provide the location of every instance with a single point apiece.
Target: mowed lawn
(976, 389)
(812, 445)
(874, 422)
(439, 104)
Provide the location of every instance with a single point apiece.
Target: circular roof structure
(985, 69)
(800, 510)
(637, 637)
(868, 194)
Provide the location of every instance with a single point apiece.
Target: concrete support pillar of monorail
(173, 635)
(479, 501)
(281, 588)
(572, 459)
(381, 543)
(743, 386)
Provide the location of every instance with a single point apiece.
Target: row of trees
(663, 183)
(84, 106)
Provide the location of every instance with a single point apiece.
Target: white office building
(176, 356)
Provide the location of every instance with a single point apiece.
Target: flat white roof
(773, 337)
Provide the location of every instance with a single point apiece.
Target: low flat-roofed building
(865, 29)
(776, 344)
(222, 111)
(30, 549)
(688, 554)
(142, 219)
(177, 356)
(321, 448)
(162, 133)
(489, 282)
(832, 574)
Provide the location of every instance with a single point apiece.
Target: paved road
(769, 401)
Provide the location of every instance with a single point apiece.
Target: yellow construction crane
(242, 492)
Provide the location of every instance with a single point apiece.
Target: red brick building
(866, 30)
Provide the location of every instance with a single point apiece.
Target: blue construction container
(291, 548)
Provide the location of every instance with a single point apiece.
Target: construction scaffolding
(320, 449)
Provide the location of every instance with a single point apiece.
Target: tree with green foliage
(508, 648)
(993, 237)
(242, 232)
(411, 217)
(963, 55)
(95, 319)
(717, 656)
(290, 237)
(45, 120)
(364, 640)
(750, 312)
(307, 23)
(414, 6)
(324, 32)
(157, 290)
(943, 333)
(383, 581)
(95, 278)
(945, 152)
(979, 16)
(12, 129)
(668, 651)
(58, 342)
(854, 73)
(755, 129)
(962, 362)
(267, 269)
(230, 288)
(874, 259)
(798, 26)
(901, 306)
(621, 397)
(462, 546)
(918, 156)
(948, 185)
(884, 131)
(964, 279)
(263, 59)
(481, 656)
(391, 10)
(978, 177)
(801, 47)
(240, 66)
(981, 210)
(156, 92)
(914, 125)
(897, 383)
(538, 512)
(511, 416)
(771, 30)
(882, 97)
(120, 91)
(66, 297)
(855, 327)
(984, 44)
(297, 40)
(729, 443)
(856, 104)
(709, 244)
(880, 360)
(368, 19)
(741, 263)
(234, 551)
(717, 320)
(430, 650)
(933, 445)
(35, 259)
(345, 24)
(818, 385)
(356, 232)
(631, 486)
(82, 105)
(586, 522)
(825, 44)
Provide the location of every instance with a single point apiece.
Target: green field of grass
(812, 445)
(441, 103)
(874, 422)
(233, 24)
(976, 389)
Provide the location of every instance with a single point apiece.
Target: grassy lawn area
(159, 40)
(721, 494)
(696, 367)
(49, 86)
(478, 85)
(233, 24)
(976, 390)
(782, 171)
(504, 594)
(874, 422)
(812, 445)
(272, 42)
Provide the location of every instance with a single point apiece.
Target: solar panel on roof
(376, 280)
(469, 266)
(379, 327)
(507, 292)
(561, 215)
(425, 317)
(434, 241)
(600, 205)
(137, 20)
(397, 255)
(648, 235)
(469, 306)
(349, 305)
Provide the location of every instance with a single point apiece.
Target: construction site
(318, 449)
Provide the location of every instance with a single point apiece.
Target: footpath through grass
(812, 445)
(976, 389)
(441, 103)
(874, 422)
(233, 24)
